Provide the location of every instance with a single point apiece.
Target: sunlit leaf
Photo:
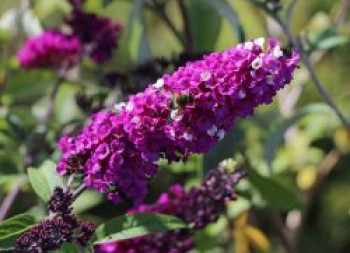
(326, 40)
(10, 229)
(306, 177)
(274, 193)
(130, 226)
(87, 200)
(139, 47)
(204, 30)
(257, 238)
(44, 180)
(226, 10)
(276, 135)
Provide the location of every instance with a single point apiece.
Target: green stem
(296, 45)
(160, 11)
(187, 26)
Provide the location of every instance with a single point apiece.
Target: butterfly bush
(198, 207)
(99, 34)
(181, 114)
(89, 35)
(62, 227)
(50, 49)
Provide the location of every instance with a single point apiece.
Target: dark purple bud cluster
(86, 231)
(203, 205)
(52, 233)
(48, 235)
(198, 207)
(99, 34)
(76, 4)
(60, 201)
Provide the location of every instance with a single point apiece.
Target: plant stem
(52, 98)
(79, 191)
(283, 233)
(160, 11)
(187, 26)
(324, 169)
(290, 10)
(297, 45)
(10, 198)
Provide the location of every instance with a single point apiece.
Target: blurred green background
(298, 152)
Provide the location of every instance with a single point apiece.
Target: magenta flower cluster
(50, 49)
(181, 114)
(198, 207)
(90, 34)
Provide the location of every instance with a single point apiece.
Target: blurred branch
(290, 97)
(187, 27)
(342, 13)
(52, 98)
(283, 233)
(324, 169)
(159, 9)
(10, 198)
(297, 45)
(290, 10)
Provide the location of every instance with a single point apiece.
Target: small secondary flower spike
(50, 49)
(98, 34)
(53, 232)
(198, 207)
(181, 114)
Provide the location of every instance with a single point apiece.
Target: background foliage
(296, 151)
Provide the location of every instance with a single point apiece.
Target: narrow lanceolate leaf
(326, 40)
(67, 248)
(226, 10)
(130, 226)
(274, 193)
(39, 183)
(44, 180)
(12, 228)
(139, 46)
(204, 39)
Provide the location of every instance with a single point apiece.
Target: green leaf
(274, 193)
(139, 46)
(223, 150)
(325, 40)
(44, 180)
(130, 226)
(226, 10)
(276, 135)
(206, 30)
(86, 201)
(39, 183)
(10, 229)
(106, 2)
(66, 98)
(67, 248)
